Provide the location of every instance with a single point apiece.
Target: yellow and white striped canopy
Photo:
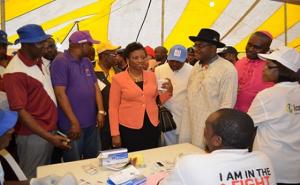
(120, 20)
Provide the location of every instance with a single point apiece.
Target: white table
(162, 154)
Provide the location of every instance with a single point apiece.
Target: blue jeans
(87, 146)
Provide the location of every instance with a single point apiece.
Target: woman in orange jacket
(133, 111)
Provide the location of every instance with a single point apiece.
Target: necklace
(135, 78)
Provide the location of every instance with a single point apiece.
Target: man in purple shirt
(250, 70)
(80, 109)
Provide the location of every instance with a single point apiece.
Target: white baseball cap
(288, 57)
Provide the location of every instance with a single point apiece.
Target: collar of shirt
(254, 61)
(211, 62)
(243, 151)
(72, 59)
(29, 62)
(287, 84)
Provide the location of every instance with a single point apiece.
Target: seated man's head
(228, 129)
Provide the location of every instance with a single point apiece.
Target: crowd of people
(97, 96)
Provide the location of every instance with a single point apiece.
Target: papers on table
(128, 176)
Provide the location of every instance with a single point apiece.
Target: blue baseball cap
(3, 38)
(8, 120)
(178, 53)
(31, 33)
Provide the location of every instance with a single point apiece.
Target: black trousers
(140, 139)
(105, 136)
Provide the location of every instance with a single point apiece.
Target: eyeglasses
(202, 45)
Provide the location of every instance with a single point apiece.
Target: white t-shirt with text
(223, 167)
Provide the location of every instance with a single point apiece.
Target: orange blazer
(128, 102)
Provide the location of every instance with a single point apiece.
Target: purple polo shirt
(79, 78)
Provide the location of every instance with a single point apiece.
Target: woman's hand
(168, 86)
(116, 141)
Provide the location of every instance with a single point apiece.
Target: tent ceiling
(120, 20)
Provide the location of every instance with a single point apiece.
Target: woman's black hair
(133, 47)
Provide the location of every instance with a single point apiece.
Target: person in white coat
(178, 72)
(276, 114)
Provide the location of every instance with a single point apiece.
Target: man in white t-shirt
(178, 72)
(228, 135)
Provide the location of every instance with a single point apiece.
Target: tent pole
(2, 4)
(285, 24)
(162, 22)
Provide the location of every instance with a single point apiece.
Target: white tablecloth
(165, 155)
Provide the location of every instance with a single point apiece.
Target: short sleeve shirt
(250, 81)
(275, 111)
(78, 77)
(28, 87)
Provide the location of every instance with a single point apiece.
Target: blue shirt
(78, 77)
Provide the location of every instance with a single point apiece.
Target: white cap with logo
(288, 57)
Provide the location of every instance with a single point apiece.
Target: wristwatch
(102, 112)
